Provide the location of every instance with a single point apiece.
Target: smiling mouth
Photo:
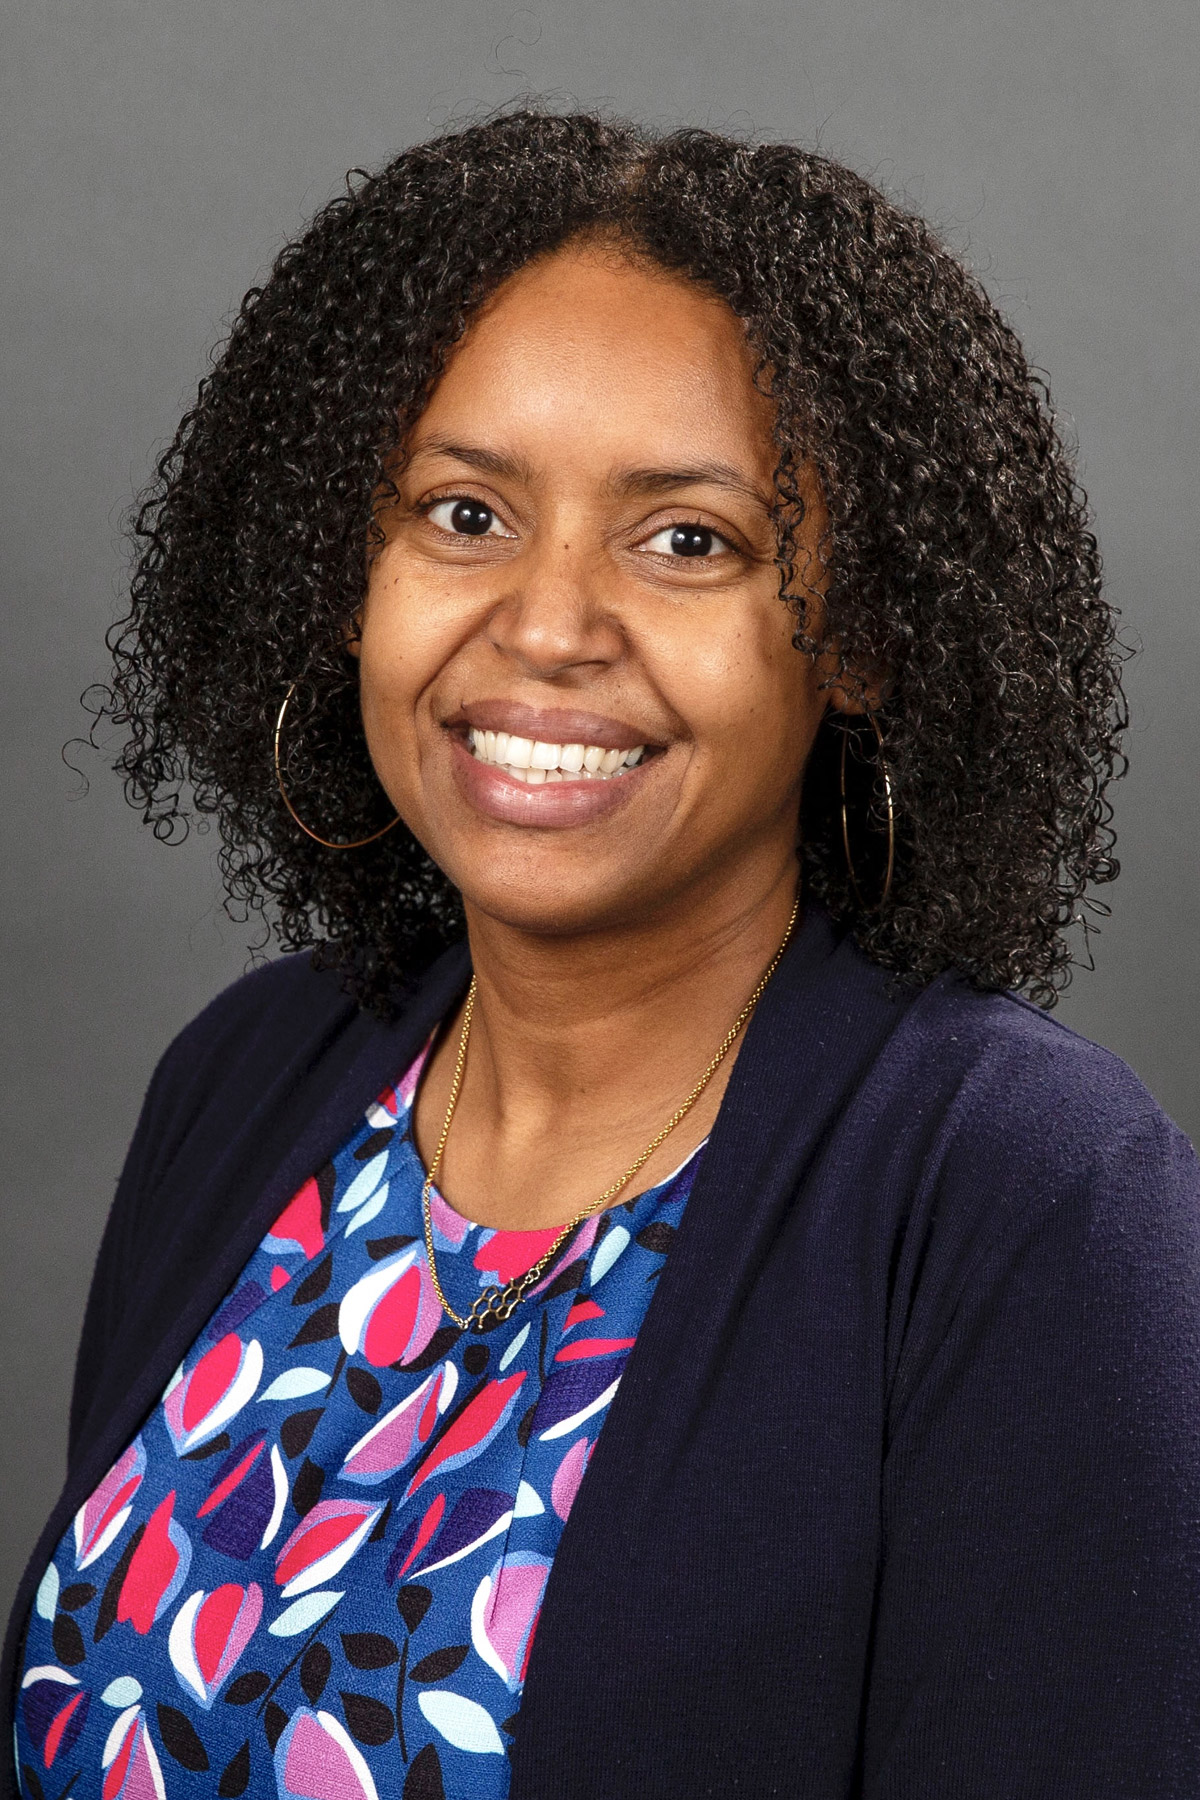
(533, 761)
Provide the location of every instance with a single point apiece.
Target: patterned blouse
(320, 1563)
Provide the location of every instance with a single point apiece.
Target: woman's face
(578, 682)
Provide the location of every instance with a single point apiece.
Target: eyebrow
(626, 482)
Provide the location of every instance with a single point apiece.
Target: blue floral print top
(319, 1566)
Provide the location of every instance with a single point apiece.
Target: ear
(855, 694)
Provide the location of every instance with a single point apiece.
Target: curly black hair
(962, 566)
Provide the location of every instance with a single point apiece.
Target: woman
(704, 1333)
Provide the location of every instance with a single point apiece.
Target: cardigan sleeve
(1038, 1614)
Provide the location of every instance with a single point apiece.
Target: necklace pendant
(490, 1308)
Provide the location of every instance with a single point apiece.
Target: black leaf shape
(378, 1140)
(370, 1721)
(306, 1489)
(107, 1615)
(212, 1448)
(526, 1425)
(180, 1739)
(378, 1248)
(380, 1532)
(65, 1790)
(439, 1665)
(510, 1724)
(412, 1603)
(250, 1686)
(318, 1328)
(364, 1390)
(314, 1671)
(314, 1283)
(80, 1593)
(369, 1649)
(326, 1179)
(295, 1434)
(274, 1721)
(401, 1677)
(32, 1783)
(657, 1236)
(235, 1776)
(424, 1780)
(475, 1358)
(566, 1280)
(67, 1639)
(442, 1341)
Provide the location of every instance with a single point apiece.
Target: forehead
(590, 342)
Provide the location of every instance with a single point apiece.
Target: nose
(554, 618)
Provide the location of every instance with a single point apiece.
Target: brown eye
(692, 540)
(687, 540)
(471, 518)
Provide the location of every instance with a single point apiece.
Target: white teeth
(534, 761)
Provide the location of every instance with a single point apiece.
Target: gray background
(155, 154)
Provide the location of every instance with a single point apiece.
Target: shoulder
(274, 998)
(1020, 1084)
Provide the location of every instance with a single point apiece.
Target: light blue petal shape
(528, 1503)
(608, 1253)
(514, 1349)
(371, 1210)
(364, 1183)
(295, 1382)
(301, 1615)
(47, 1595)
(124, 1691)
(462, 1722)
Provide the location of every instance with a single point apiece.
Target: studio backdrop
(156, 153)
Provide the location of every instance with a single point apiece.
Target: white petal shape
(295, 1382)
(378, 1117)
(462, 1722)
(528, 1503)
(109, 1535)
(327, 1566)
(46, 1603)
(179, 1647)
(502, 1524)
(353, 1754)
(364, 1183)
(565, 1426)
(124, 1691)
(515, 1348)
(116, 1736)
(607, 1254)
(357, 1303)
(281, 1498)
(48, 1672)
(371, 1210)
(304, 1614)
(479, 1636)
(449, 1386)
(239, 1395)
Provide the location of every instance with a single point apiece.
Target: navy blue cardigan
(900, 1493)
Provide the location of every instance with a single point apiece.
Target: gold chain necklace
(497, 1304)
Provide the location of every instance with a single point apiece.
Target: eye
(466, 518)
(686, 540)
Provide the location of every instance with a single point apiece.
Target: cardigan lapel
(824, 1016)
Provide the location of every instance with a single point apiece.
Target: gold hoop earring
(886, 773)
(328, 843)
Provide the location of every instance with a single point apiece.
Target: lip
(553, 725)
(551, 806)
